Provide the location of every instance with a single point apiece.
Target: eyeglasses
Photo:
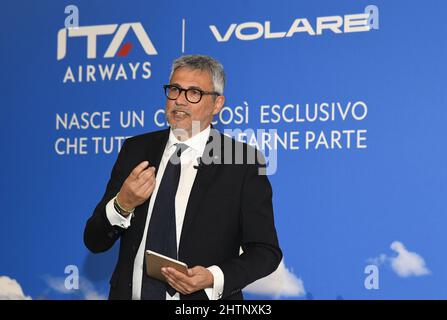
(193, 95)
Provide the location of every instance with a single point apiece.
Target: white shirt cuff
(216, 291)
(115, 218)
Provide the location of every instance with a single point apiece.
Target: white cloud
(89, 292)
(378, 261)
(86, 288)
(405, 264)
(58, 285)
(282, 282)
(10, 289)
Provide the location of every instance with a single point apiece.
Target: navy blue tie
(161, 233)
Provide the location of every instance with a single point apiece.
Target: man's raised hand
(138, 186)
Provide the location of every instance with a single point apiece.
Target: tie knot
(180, 147)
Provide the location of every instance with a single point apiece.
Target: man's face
(180, 112)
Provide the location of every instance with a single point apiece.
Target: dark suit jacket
(230, 205)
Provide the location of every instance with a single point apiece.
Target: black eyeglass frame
(180, 90)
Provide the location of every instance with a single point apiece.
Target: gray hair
(200, 62)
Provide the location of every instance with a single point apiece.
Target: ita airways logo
(116, 48)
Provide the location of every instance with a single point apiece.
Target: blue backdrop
(352, 91)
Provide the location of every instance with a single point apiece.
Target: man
(170, 192)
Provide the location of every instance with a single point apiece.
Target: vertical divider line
(183, 34)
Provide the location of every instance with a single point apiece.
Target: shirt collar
(197, 142)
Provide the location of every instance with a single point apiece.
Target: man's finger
(144, 177)
(149, 190)
(139, 168)
(177, 275)
(192, 271)
(177, 288)
(147, 173)
(145, 186)
(173, 283)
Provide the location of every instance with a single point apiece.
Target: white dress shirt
(188, 159)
